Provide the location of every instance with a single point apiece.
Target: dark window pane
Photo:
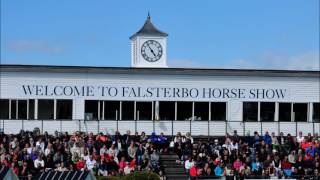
(250, 111)
(267, 110)
(184, 110)
(300, 111)
(22, 109)
(166, 110)
(91, 109)
(64, 109)
(144, 110)
(285, 112)
(201, 110)
(13, 109)
(4, 108)
(111, 110)
(316, 112)
(127, 110)
(31, 108)
(218, 111)
(45, 109)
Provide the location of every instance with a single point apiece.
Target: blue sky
(269, 34)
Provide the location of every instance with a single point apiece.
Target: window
(166, 110)
(91, 109)
(144, 110)
(45, 109)
(14, 109)
(285, 112)
(267, 110)
(201, 110)
(250, 111)
(127, 110)
(22, 109)
(316, 112)
(300, 111)
(111, 110)
(218, 111)
(4, 108)
(184, 110)
(31, 108)
(64, 109)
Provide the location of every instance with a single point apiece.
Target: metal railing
(169, 127)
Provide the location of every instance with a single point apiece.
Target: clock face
(151, 50)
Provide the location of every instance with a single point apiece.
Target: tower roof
(149, 29)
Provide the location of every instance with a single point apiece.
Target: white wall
(298, 89)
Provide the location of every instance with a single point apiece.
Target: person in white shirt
(48, 150)
(39, 162)
(91, 163)
(127, 170)
(188, 164)
(300, 137)
(103, 150)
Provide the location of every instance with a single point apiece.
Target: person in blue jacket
(267, 138)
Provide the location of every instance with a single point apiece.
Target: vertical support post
(192, 118)
(276, 112)
(54, 109)
(9, 108)
(98, 128)
(135, 115)
(244, 128)
(152, 116)
(103, 105)
(278, 128)
(117, 121)
(28, 109)
(79, 125)
(41, 126)
(120, 114)
(99, 113)
(175, 110)
(259, 119)
(17, 109)
(36, 109)
(296, 128)
(209, 118)
(313, 130)
(60, 126)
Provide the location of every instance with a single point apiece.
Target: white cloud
(21, 46)
(304, 61)
(183, 63)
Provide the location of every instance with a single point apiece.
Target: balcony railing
(168, 127)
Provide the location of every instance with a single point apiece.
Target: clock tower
(149, 47)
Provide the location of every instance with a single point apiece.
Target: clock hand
(151, 50)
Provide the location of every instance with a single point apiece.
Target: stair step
(177, 177)
(171, 165)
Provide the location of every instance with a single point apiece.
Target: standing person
(188, 164)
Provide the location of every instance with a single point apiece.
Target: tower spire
(148, 16)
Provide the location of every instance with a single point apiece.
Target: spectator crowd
(269, 156)
(266, 156)
(31, 153)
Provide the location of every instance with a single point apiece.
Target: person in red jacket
(194, 172)
(80, 164)
(285, 164)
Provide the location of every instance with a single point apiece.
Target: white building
(151, 97)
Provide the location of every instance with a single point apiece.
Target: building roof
(148, 29)
(157, 71)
